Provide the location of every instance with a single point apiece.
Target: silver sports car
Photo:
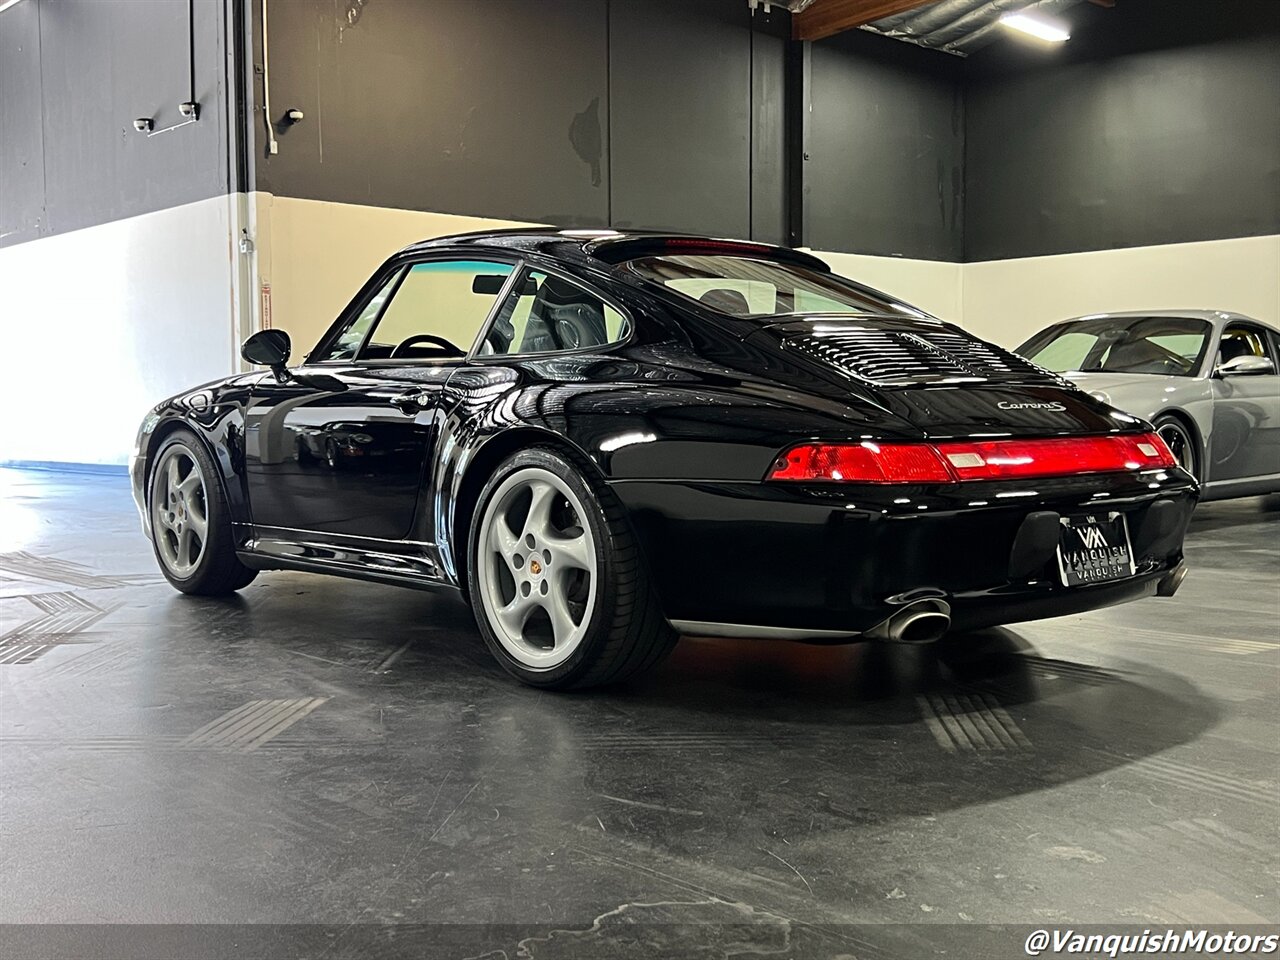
(1208, 380)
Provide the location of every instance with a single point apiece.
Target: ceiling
(953, 26)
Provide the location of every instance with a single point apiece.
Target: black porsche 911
(604, 439)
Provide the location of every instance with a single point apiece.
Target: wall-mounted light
(189, 109)
(1042, 28)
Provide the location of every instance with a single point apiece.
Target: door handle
(413, 402)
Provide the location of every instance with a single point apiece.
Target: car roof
(605, 247)
(1218, 318)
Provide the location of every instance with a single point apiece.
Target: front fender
(215, 414)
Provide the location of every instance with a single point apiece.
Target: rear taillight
(971, 459)
(863, 463)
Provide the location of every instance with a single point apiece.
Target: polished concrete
(344, 764)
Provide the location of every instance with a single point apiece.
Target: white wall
(100, 324)
(316, 254)
(1008, 300)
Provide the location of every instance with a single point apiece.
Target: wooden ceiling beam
(825, 18)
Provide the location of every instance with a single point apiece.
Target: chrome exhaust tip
(923, 621)
(1171, 581)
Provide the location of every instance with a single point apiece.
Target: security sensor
(189, 109)
(143, 124)
(293, 115)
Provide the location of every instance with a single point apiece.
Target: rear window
(752, 289)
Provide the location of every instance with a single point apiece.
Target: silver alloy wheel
(1176, 438)
(179, 511)
(536, 568)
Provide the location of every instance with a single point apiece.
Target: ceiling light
(1039, 27)
(6, 4)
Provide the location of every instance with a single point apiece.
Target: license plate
(1094, 549)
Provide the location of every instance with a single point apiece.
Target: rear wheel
(556, 580)
(1178, 438)
(190, 522)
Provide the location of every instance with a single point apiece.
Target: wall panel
(85, 69)
(885, 150)
(487, 109)
(1160, 147)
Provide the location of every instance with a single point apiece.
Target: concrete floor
(344, 764)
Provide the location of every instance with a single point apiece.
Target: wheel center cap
(535, 567)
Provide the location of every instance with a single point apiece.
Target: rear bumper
(830, 562)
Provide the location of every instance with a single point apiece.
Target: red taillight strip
(952, 462)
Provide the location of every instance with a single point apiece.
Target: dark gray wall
(1101, 146)
(663, 114)
(884, 150)
(491, 109)
(73, 76)
(696, 122)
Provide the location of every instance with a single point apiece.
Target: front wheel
(556, 580)
(190, 522)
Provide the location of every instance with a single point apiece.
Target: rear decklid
(940, 378)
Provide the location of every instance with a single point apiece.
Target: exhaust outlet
(1171, 581)
(923, 621)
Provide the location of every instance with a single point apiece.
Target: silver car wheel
(1180, 445)
(179, 511)
(537, 568)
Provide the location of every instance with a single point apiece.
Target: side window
(548, 314)
(348, 342)
(1242, 340)
(436, 311)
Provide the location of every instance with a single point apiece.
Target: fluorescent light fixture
(1041, 28)
(6, 4)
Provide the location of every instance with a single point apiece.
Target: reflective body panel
(372, 469)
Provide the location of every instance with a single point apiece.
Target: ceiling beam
(825, 18)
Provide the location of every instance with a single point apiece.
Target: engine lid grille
(903, 358)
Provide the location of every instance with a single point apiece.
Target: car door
(1245, 441)
(341, 446)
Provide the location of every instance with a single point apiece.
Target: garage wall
(545, 110)
(883, 159)
(1008, 300)
(1158, 147)
(315, 255)
(101, 323)
(73, 76)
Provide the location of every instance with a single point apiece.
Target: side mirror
(1240, 366)
(268, 348)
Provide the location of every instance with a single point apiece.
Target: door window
(348, 343)
(1243, 340)
(426, 311)
(548, 314)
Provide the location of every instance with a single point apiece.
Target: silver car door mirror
(1239, 366)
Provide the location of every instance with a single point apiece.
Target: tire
(575, 609)
(1177, 435)
(183, 505)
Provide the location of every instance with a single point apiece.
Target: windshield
(752, 289)
(1167, 346)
